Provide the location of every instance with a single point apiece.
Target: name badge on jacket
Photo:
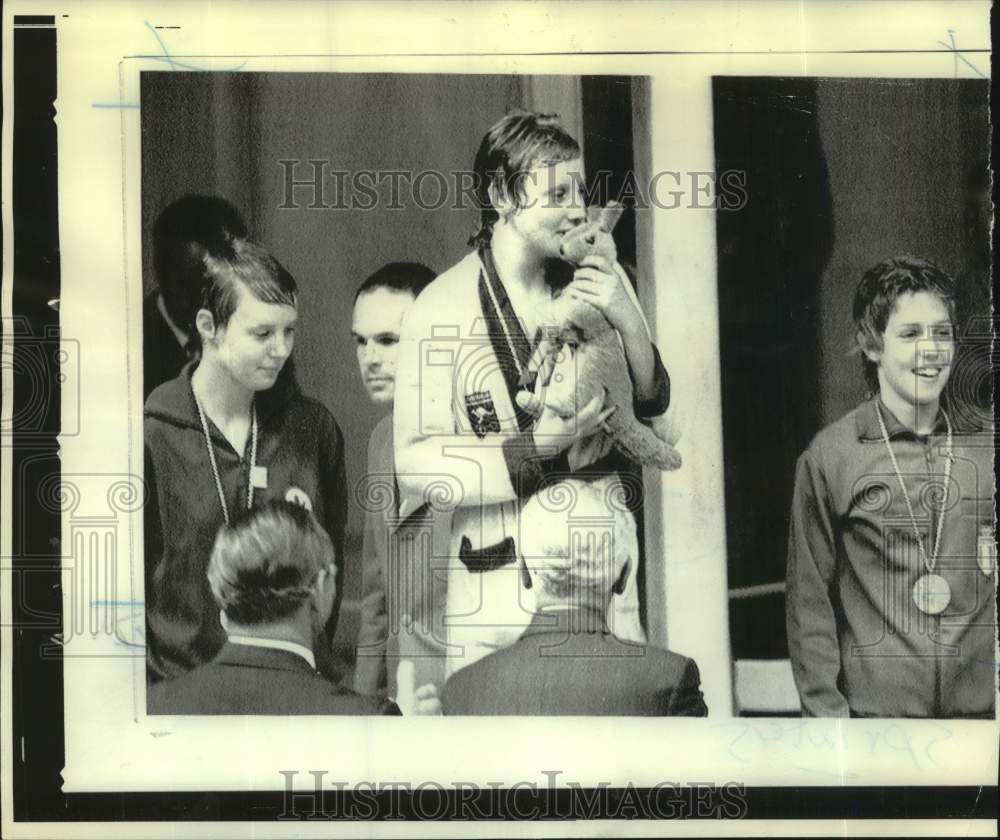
(986, 550)
(482, 413)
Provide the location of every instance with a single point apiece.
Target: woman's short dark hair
(264, 563)
(880, 287)
(508, 152)
(251, 265)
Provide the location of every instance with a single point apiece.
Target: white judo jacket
(461, 445)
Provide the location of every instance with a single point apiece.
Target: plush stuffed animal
(577, 333)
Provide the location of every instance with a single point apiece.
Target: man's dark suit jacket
(567, 663)
(244, 680)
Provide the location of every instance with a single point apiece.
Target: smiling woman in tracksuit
(231, 432)
(891, 596)
(463, 436)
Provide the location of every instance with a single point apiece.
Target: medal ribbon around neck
(504, 336)
(922, 590)
(215, 466)
(506, 332)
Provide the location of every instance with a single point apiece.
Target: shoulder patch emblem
(482, 413)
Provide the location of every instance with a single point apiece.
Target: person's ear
(871, 346)
(324, 590)
(619, 587)
(500, 200)
(319, 585)
(205, 324)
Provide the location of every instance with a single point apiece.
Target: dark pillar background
(608, 148)
(772, 255)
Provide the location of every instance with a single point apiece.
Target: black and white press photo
(416, 311)
(504, 410)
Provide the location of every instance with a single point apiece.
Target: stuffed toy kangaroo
(576, 331)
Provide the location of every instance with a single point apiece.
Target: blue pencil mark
(130, 622)
(99, 603)
(891, 738)
(174, 64)
(129, 645)
(168, 59)
(803, 743)
(958, 55)
(130, 631)
(932, 743)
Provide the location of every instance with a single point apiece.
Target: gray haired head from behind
(264, 564)
(576, 541)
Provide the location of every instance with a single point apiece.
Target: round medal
(931, 594)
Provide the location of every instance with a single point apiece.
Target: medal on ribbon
(931, 592)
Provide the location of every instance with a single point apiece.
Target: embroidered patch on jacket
(482, 413)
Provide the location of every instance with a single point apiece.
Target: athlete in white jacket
(469, 433)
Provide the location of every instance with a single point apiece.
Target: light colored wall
(692, 538)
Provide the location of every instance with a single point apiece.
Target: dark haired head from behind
(411, 277)
(185, 231)
(268, 566)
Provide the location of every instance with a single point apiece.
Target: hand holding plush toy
(577, 327)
